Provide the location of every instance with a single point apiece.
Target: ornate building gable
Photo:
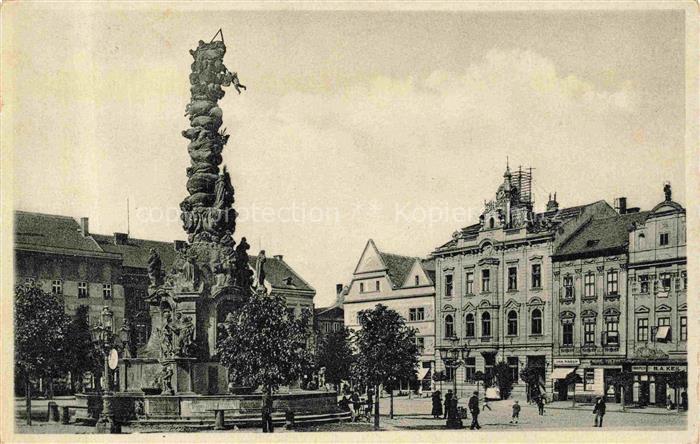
(370, 260)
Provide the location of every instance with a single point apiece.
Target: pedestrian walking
(370, 400)
(437, 404)
(486, 404)
(267, 413)
(355, 399)
(599, 411)
(540, 405)
(474, 410)
(516, 413)
(448, 399)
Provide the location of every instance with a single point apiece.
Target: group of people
(450, 402)
(354, 404)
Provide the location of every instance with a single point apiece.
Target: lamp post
(103, 338)
(453, 357)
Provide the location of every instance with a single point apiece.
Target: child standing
(516, 413)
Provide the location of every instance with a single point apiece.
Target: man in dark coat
(267, 413)
(474, 410)
(599, 411)
(448, 398)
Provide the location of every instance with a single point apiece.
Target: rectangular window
(290, 312)
(644, 284)
(485, 280)
(612, 282)
(589, 285)
(362, 287)
(82, 289)
(107, 291)
(512, 278)
(663, 239)
(376, 285)
(660, 322)
(568, 287)
(420, 343)
(57, 287)
(588, 378)
(568, 334)
(611, 331)
(489, 362)
(589, 333)
(448, 285)
(469, 282)
(416, 314)
(536, 276)
(643, 330)
(684, 328)
(513, 364)
(417, 281)
(469, 369)
(665, 279)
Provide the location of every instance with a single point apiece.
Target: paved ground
(414, 414)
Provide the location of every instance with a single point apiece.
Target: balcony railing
(612, 296)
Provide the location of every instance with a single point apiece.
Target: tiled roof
(429, 267)
(51, 231)
(135, 252)
(610, 234)
(278, 273)
(398, 267)
(331, 312)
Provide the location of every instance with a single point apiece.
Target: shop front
(563, 367)
(651, 382)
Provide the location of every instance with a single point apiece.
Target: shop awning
(663, 332)
(562, 372)
(423, 373)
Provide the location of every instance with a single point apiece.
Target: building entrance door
(562, 389)
(644, 393)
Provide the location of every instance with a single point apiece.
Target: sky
(390, 125)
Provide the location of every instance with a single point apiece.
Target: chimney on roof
(85, 226)
(621, 205)
(121, 238)
(179, 245)
(279, 257)
(552, 204)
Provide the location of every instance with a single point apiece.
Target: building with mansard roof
(403, 284)
(493, 283)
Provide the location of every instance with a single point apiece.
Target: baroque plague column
(210, 277)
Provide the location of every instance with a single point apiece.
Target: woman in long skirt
(437, 404)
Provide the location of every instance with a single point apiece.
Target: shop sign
(567, 361)
(607, 361)
(666, 368)
(639, 369)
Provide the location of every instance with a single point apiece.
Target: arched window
(536, 318)
(470, 327)
(486, 324)
(491, 223)
(512, 323)
(449, 326)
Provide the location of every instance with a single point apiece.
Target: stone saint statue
(154, 268)
(189, 273)
(187, 337)
(167, 335)
(223, 190)
(260, 270)
(667, 191)
(166, 380)
(241, 264)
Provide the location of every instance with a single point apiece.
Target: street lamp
(453, 357)
(103, 338)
